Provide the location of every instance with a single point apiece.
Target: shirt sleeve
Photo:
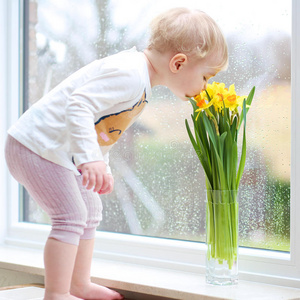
(97, 94)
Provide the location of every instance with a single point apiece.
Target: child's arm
(98, 94)
(95, 176)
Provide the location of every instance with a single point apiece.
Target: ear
(177, 62)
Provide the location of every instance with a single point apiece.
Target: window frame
(254, 265)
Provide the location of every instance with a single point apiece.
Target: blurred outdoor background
(159, 182)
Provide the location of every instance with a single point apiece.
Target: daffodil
(201, 102)
(232, 101)
(216, 93)
(220, 95)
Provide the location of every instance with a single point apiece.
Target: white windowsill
(148, 280)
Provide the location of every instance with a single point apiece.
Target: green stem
(222, 226)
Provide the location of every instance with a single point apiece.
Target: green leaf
(243, 155)
(190, 134)
(200, 128)
(199, 151)
(221, 144)
(248, 102)
(228, 155)
(194, 104)
(233, 171)
(233, 129)
(205, 159)
(211, 133)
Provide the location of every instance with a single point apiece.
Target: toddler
(59, 147)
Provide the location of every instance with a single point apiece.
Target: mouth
(189, 97)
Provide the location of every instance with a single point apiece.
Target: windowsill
(149, 280)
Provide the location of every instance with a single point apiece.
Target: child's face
(192, 78)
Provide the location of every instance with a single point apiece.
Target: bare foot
(55, 296)
(93, 291)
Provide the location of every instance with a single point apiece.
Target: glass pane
(159, 183)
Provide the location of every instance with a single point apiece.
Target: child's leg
(81, 283)
(53, 187)
(82, 287)
(59, 260)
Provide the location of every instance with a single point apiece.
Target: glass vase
(222, 237)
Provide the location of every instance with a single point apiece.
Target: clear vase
(222, 237)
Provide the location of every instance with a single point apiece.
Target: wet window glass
(159, 182)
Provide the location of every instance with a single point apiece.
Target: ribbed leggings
(75, 212)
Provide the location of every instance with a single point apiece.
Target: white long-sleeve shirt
(80, 119)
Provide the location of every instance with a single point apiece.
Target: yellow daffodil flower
(232, 101)
(201, 102)
(219, 95)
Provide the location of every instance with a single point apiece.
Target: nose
(204, 85)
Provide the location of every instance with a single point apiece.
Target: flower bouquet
(218, 114)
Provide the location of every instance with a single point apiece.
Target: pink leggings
(75, 212)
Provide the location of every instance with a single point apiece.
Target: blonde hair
(191, 32)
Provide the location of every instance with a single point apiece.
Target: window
(159, 181)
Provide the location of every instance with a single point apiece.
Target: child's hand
(110, 186)
(94, 175)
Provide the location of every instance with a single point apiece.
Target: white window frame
(254, 265)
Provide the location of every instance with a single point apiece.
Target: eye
(204, 78)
